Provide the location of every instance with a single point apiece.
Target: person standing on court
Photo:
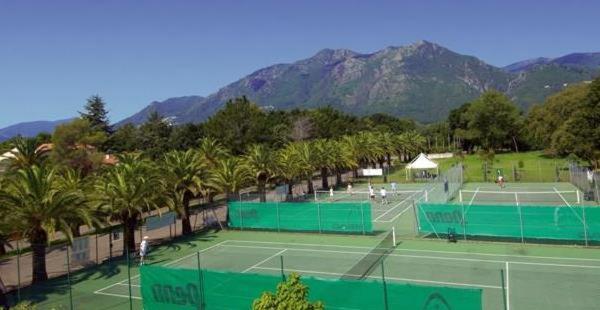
(144, 247)
(383, 193)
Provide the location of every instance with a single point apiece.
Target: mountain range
(423, 81)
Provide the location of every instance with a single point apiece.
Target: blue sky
(55, 54)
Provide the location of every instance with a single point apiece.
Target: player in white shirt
(349, 189)
(371, 193)
(384, 200)
(144, 247)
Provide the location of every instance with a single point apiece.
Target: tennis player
(349, 189)
(383, 193)
(144, 247)
(371, 193)
(501, 181)
(394, 187)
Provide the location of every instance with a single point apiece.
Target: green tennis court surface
(531, 281)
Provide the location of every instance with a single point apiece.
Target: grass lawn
(516, 167)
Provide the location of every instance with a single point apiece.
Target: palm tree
(324, 158)
(211, 151)
(343, 159)
(288, 166)
(74, 181)
(37, 206)
(183, 173)
(127, 190)
(27, 153)
(260, 163)
(229, 176)
(352, 148)
(308, 162)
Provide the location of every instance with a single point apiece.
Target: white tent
(421, 162)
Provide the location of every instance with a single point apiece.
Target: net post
(315, 194)
(128, 275)
(578, 197)
(69, 278)
(385, 293)
(200, 282)
(460, 196)
(426, 196)
(394, 235)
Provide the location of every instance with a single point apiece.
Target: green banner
(341, 217)
(168, 288)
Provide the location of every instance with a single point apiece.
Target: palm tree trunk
(324, 179)
(2, 249)
(262, 192)
(338, 177)
(311, 188)
(39, 242)
(129, 224)
(389, 159)
(75, 229)
(186, 226)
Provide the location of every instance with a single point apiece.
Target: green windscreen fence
(341, 217)
(576, 223)
(167, 288)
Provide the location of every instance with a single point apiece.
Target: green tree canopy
(75, 145)
(95, 113)
(154, 135)
(493, 121)
(239, 124)
(291, 295)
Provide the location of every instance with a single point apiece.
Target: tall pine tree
(96, 114)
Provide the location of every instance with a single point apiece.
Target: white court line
(117, 295)
(99, 291)
(568, 204)
(396, 206)
(397, 216)
(264, 261)
(364, 253)
(472, 199)
(419, 250)
(391, 278)
(507, 289)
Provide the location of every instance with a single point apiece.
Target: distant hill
(423, 81)
(30, 129)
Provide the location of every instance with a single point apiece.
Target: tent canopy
(422, 162)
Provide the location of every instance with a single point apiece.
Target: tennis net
(417, 195)
(371, 260)
(555, 197)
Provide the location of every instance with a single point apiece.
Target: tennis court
(546, 194)
(525, 282)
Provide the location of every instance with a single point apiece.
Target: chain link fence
(94, 254)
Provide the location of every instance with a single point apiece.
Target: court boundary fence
(178, 288)
(578, 225)
(94, 248)
(586, 180)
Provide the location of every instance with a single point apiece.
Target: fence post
(278, 218)
(69, 278)
(362, 217)
(585, 233)
(18, 272)
(539, 171)
(464, 221)
(385, 293)
(319, 217)
(97, 261)
(128, 276)
(241, 216)
(110, 245)
(281, 266)
(200, 282)
(503, 289)
(521, 223)
(416, 217)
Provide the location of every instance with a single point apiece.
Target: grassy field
(516, 167)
